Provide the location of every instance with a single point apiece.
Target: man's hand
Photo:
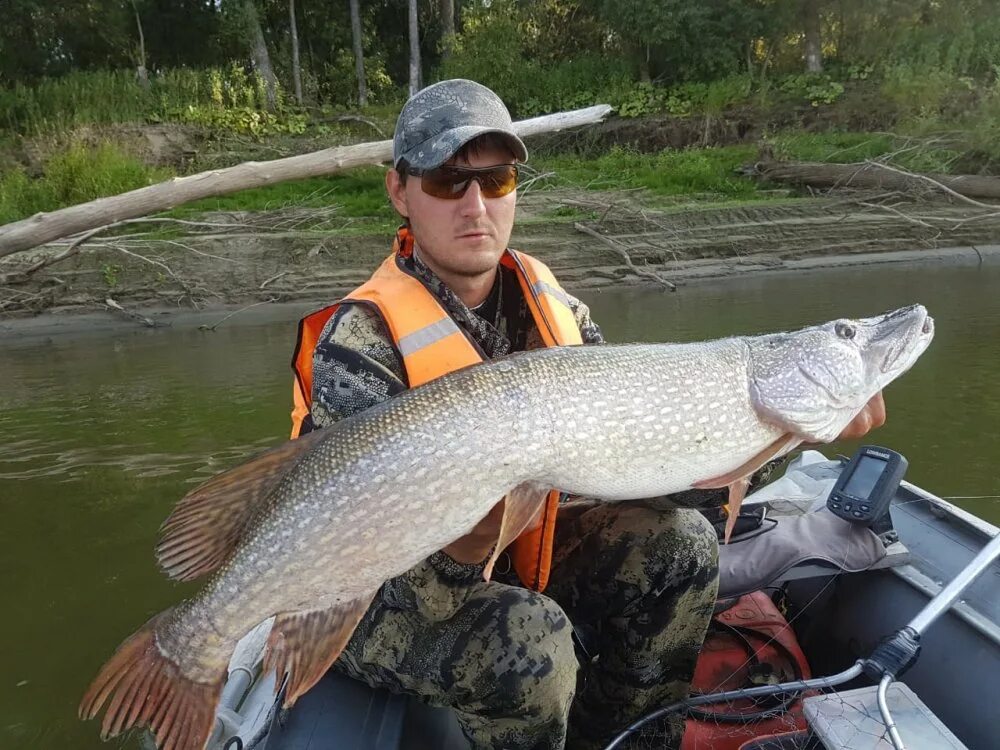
(872, 416)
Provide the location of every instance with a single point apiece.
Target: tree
(812, 37)
(296, 69)
(414, 49)
(447, 28)
(141, 71)
(261, 57)
(676, 40)
(359, 54)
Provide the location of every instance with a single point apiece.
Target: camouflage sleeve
(355, 365)
(590, 332)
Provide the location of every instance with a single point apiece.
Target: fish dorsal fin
(305, 644)
(207, 523)
(522, 505)
(738, 479)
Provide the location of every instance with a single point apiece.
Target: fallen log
(875, 176)
(46, 227)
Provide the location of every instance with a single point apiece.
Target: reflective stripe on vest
(432, 344)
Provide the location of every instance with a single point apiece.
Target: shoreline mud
(76, 321)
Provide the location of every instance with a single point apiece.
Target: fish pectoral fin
(779, 447)
(207, 523)
(522, 505)
(738, 479)
(146, 688)
(304, 644)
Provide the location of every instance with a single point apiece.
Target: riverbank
(78, 322)
(620, 217)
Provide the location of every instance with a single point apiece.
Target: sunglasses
(451, 183)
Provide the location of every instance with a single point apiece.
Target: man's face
(466, 236)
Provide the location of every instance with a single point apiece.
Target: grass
(75, 176)
(357, 194)
(710, 174)
(706, 171)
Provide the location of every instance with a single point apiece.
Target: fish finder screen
(865, 476)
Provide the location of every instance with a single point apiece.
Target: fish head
(813, 382)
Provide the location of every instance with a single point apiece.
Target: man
(638, 580)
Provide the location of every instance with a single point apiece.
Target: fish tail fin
(146, 688)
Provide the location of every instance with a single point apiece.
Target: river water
(100, 433)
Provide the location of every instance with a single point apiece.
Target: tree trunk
(141, 72)
(872, 176)
(261, 57)
(642, 56)
(447, 28)
(813, 40)
(296, 69)
(414, 49)
(46, 227)
(359, 54)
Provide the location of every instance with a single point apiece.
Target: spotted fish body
(370, 497)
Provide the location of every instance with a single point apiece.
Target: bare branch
(625, 256)
(274, 278)
(235, 312)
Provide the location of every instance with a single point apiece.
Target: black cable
(816, 683)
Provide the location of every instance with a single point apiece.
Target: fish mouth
(902, 336)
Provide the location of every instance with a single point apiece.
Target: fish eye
(845, 330)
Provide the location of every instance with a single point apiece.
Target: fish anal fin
(737, 491)
(305, 644)
(147, 689)
(207, 523)
(522, 505)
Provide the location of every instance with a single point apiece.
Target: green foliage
(923, 92)
(340, 80)
(493, 51)
(709, 171)
(815, 88)
(75, 176)
(111, 272)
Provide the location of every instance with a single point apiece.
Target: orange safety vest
(432, 344)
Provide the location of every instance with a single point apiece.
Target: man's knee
(673, 546)
(523, 660)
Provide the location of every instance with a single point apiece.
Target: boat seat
(804, 539)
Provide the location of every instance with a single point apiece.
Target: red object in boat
(752, 626)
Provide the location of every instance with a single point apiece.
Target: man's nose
(473, 203)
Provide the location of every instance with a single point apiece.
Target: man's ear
(397, 192)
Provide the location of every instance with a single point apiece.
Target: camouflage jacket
(356, 364)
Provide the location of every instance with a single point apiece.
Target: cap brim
(437, 150)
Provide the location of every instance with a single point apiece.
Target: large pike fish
(310, 530)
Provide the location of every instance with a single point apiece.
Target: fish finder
(867, 485)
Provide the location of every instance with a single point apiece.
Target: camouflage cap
(438, 120)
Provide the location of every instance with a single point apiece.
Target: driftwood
(876, 176)
(46, 227)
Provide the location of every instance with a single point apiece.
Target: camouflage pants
(640, 580)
